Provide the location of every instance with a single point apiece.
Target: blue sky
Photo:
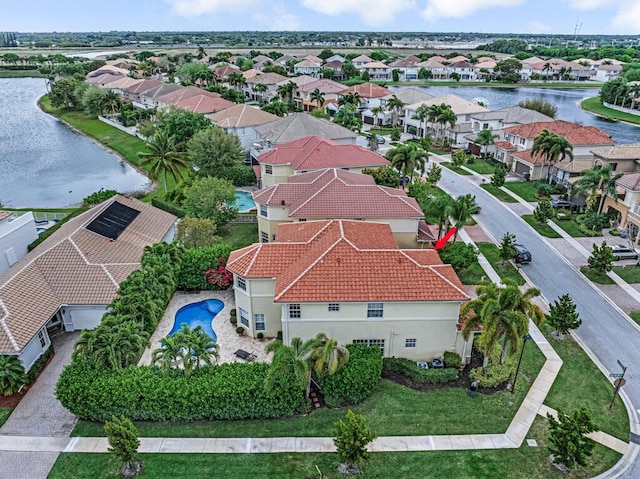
(513, 16)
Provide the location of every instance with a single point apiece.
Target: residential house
(241, 121)
(314, 59)
(329, 88)
(269, 80)
(336, 58)
(360, 61)
(102, 78)
(336, 67)
(604, 73)
(407, 68)
(313, 153)
(627, 205)
(456, 59)
(377, 71)
(408, 96)
(307, 67)
(465, 69)
(150, 98)
(516, 152)
(133, 93)
(436, 70)
(67, 281)
(485, 69)
(349, 279)
(16, 233)
(622, 158)
(370, 94)
(181, 94)
(339, 194)
(120, 84)
(284, 59)
(222, 73)
(204, 104)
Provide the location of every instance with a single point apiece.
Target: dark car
(381, 140)
(571, 205)
(522, 254)
(623, 252)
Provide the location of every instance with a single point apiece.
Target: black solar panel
(113, 221)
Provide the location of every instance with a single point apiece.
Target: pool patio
(228, 339)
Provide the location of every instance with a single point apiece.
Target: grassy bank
(594, 105)
(20, 74)
(494, 84)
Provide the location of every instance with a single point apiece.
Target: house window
(244, 317)
(410, 343)
(264, 236)
(522, 141)
(43, 342)
(242, 284)
(334, 306)
(258, 320)
(268, 169)
(371, 342)
(374, 310)
(294, 311)
(302, 220)
(614, 166)
(263, 211)
(507, 137)
(485, 126)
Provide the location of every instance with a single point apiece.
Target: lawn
(635, 315)
(498, 193)
(239, 235)
(454, 168)
(20, 74)
(524, 189)
(481, 167)
(581, 384)
(479, 464)
(544, 230)
(474, 274)
(5, 412)
(571, 227)
(596, 276)
(594, 105)
(378, 131)
(630, 273)
(506, 271)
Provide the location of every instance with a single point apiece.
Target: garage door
(522, 168)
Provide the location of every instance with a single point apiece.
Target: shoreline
(605, 117)
(577, 86)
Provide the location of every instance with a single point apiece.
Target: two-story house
(361, 60)
(241, 120)
(329, 88)
(370, 94)
(269, 80)
(377, 71)
(407, 67)
(307, 67)
(349, 280)
(627, 205)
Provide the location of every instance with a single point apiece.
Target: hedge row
(412, 371)
(195, 261)
(357, 380)
(169, 207)
(227, 391)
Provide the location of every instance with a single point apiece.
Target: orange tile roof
(574, 133)
(345, 261)
(204, 104)
(314, 152)
(367, 90)
(505, 145)
(184, 93)
(525, 155)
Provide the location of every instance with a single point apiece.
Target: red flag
(443, 241)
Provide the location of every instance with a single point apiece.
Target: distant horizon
(522, 17)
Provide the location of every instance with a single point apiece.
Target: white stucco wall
(34, 349)
(77, 317)
(15, 235)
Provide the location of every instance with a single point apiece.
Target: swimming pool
(41, 230)
(244, 201)
(198, 314)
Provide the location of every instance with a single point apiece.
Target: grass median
(455, 169)
(505, 270)
(498, 193)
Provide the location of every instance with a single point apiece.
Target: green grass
(635, 315)
(498, 193)
(481, 167)
(5, 412)
(477, 464)
(579, 383)
(42, 210)
(454, 168)
(484, 84)
(437, 192)
(524, 189)
(378, 131)
(596, 276)
(544, 230)
(571, 227)
(630, 273)
(594, 105)
(506, 271)
(474, 274)
(239, 235)
(20, 74)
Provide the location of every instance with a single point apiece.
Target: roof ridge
(312, 196)
(5, 327)
(433, 268)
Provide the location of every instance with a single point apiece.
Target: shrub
(471, 159)
(194, 264)
(38, 366)
(544, 189)
(352, 438)
(169, 207)
(260, 336)
(452, 360)
(496, 373)
(396, 133)
(233, 312)
(458, 255)
(98, 197)
(279, 336)
(412, 371)
(240, 330)
(49, 231)
(12, 375)
(356, 380)
(614, 232)
(123, 443)
(239, 175)
(233, 320)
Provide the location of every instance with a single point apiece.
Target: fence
(115, 124)
(246, 218)
(48, 216)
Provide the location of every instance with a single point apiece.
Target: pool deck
(228, 339)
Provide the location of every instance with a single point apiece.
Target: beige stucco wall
(279, 174)
(258, 299)
(407, 240)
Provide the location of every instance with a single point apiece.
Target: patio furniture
(242, 354)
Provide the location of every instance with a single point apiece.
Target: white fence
(128, 131)
(622, 109)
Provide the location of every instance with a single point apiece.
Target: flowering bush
(220, 276)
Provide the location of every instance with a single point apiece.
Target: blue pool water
(198, 314)
(41, 230)
(244, 201)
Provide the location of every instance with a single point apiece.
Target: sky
(488, 16)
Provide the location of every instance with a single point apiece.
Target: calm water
(565, 99)
(42, 162)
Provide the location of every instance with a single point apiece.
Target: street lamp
(526, 338)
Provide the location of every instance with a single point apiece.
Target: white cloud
(625, 17)
(538, 27)
(194, 8)
(461, 8)
(589, 4)
(371, 12)
(278, 18)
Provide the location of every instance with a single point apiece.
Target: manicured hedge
(169, 207)
(357, 380)
(196, 261)
(412, 371)
(226, 391)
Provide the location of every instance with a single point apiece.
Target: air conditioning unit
(256, 146)
(422, 364)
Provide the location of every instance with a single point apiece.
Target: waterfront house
(307, 67)
(269, 80)
(16, 233)
(329, 88)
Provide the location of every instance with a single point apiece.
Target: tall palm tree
(433, 113)
(169, 355)
(260, 88)
(463, 208)
(447, 117)
(422, 114)
(200, 348)
(407, 158)
(440, 207)
(599, 179)
(485, 138)
(236, 80)
(293, 360)
(396, 105)
(163, 158)
(546, 69)
(110, 102)
(317, 96)
(551, 147)
(376, 111)
(328, 357)
(115, 347)
(12, 375)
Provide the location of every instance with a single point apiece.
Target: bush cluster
(98, 197)
(496, 373)
(239, 175)
(169, 207)
(356, 380)
(452, 360)
(411, 370)
(195, 262)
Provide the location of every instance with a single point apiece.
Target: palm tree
(551, 147)
(351, 98)
(407, 158)
(199, 347)
(396, 105)
(163, 158)
(317, 96)
(115, 347)
(260, 88)
(599, 179)
(12, 375)
(328, 357)
(462, 209)
(236, 80)
(292, 360)
(169, 355)
(447, 117)
(110, 102)
(433, 113)
(422, 113)
(484, 139)
(547, 67)
(440, 207)
(376, 111)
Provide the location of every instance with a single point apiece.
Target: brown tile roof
(367, 90)
(314, 152)
(184, 93)
(575, 166)
(325, 86)
(239, 116)
(142, 86)
(335, 193)
(300, 81)
(270, 78)
(505, 145)
(409, 61)
(224, 72)
(630, 181)
(346, 261)
(574, 133)
(73, 266)
(204, 104)
(425, 232)
(4, 214)
(619, 152)
(362, 59)
(526, 156)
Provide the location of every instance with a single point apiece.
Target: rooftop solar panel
(113, 221)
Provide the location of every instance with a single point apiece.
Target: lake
(566, 99)
(45, 164)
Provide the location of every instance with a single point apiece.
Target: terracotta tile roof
(575, 133)
(225, 71)
(204, 104)
(619, 152)
(425, 232)
(325, 86)
(505, 145)
(630, 181)
(314, 152)
(346, 261)
(367, 90)
(73, 266)
(525, 155)
(184, 93)
(334, 65)
(459, 58)
(251, 73)
(300, 81)
(575, 166)
(239, 116)
(335, 193)
(375, 65)
(314, 59)
(4, 214)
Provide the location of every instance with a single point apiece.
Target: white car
(623, 252)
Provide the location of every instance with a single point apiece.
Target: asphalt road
(604, 329)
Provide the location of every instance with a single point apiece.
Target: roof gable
(574, 133)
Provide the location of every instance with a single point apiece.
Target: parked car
(522, 254)
(623, 252)
(381, 140)
(571, 205)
